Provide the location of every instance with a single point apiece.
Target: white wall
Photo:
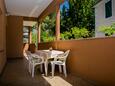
(100, 19)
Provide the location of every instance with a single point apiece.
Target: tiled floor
(16, 74)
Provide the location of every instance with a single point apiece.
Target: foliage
(75, 33)
(45, 36)
(48, 28)
(66, 35)
(108, 30)
(49, 24)
(80, 33)
(80, 14)
(34, 36)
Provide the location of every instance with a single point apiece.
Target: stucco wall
(92, 59)
(100, 19)
(2, 36)
(14, 37)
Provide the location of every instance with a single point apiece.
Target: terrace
(90, 62)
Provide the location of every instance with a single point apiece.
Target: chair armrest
(59, 57)
(35, 56)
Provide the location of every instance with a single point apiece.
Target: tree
(48, 28)
(34, 35)
(80, 14)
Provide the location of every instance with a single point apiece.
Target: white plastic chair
(46, 54)
(34, 60)
(61, 61)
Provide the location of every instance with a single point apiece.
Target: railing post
(57, 21)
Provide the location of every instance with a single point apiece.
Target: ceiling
(29, 8)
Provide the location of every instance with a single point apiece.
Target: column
(57, 21)
(30, 35)
(39, 32)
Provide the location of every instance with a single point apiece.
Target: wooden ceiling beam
(30, 19)
(50, 9)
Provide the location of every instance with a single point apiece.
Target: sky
(65, 4)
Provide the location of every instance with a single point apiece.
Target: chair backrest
(28, 54)
(25, 47)
(32, 48)
(33, 57)
(63, 56)
(66, 54)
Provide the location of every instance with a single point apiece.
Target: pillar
(39, 32)
(57, 21)
(30, 35)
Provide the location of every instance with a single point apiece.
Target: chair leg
(33, 70)
(53, 69)
(60, 69)
(46, 68)
(64, 69)
(41, 68)
(29, 67)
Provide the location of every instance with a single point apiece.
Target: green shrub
(80, 32)
(46, 37)
(75, 33)
(108, 30)
(66, 35)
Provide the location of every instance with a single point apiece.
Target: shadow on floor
(16, 74)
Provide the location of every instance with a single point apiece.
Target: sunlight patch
(56, 81)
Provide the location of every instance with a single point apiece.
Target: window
(108, 9)
(25, 34)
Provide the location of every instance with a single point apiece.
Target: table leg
(46, 67)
